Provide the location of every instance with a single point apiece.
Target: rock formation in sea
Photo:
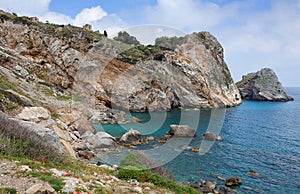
(263, 86)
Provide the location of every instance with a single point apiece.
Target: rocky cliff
(80, 76)
(262, 85)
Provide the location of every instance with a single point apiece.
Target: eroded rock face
(263, 86)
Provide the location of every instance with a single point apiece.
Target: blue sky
(254, 33)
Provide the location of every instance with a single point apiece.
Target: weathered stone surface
(132, 137)
(34, 114)
(233, 181)
(40, 189)
(262, 85)
(181, 131)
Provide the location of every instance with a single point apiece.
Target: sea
(263, 137)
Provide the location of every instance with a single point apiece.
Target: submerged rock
(262, 85)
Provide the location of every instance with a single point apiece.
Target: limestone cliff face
(262, 85)
(106, 76)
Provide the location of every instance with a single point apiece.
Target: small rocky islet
(55, 80)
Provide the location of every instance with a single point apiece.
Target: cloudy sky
(254, 33)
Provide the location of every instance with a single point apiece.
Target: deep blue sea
(259, 136)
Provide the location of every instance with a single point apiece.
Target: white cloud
(56, 18)
(28, 7)
(89, 15)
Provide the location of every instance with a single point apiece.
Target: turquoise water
(259, 136)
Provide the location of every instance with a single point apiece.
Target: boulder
(44, 188)
(182, 131)
(132, 137)
(211, 136)
(263, 86)
(226, 190)
(34, 114)
(86, 154)
(233, 181)
(99, 140)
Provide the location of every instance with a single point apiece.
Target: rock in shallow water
(181, 131)
(233, 181)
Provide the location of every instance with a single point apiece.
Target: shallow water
(259, 136)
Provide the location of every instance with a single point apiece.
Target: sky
(253, 33)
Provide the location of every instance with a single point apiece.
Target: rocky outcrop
(263, 86)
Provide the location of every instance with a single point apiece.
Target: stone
(138, 189)
(263, 86)
(233, 181)
(181, 131)
(226, 190)
(99, 140)
(44, 188)
(150, 138)
(34, 114)
(86, 154)
(211, 136)
(132, 137)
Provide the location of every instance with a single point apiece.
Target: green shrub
(8, 191)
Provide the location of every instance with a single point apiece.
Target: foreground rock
(181, 131)
(233, 181)
(262, 85)
(44, 188)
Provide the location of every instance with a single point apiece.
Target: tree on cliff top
(125, 37)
